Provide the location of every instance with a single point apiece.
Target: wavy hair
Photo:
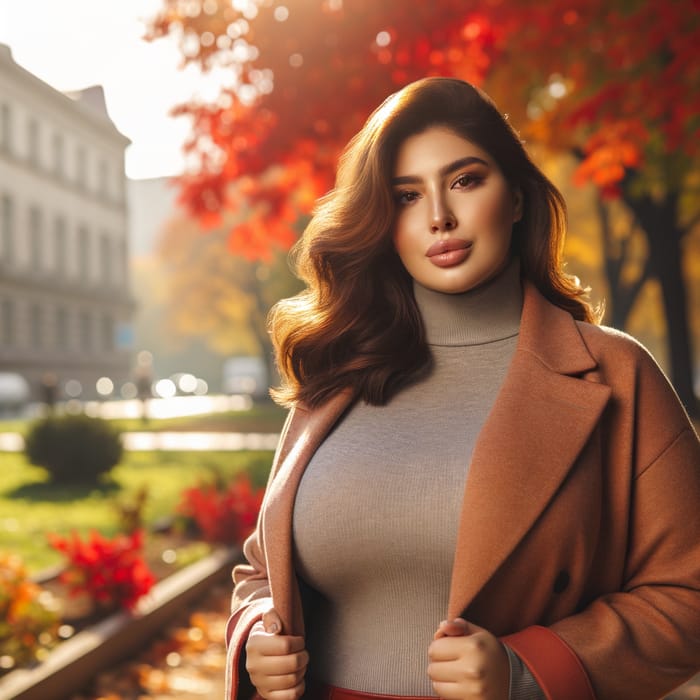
(357, 325)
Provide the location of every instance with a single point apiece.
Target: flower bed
(164, 554)
(107, 587)
(77, 661)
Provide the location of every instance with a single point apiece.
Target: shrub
(225, 514)
(73, 448)
(28, 623)
(111, 571)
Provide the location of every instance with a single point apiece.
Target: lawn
(30, 506)
(262, 418)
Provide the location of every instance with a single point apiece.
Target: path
(134, 441)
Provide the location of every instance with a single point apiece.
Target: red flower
(111, 571)
(227, 515)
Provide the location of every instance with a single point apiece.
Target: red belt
(331, 692)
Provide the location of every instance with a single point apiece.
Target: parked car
(14, 392)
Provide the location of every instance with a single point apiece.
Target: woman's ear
(517, 204)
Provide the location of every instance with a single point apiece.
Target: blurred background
(158, 158)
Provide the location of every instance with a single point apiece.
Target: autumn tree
(615, 83)
(218, 297)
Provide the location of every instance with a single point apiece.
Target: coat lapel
(305, 432)
(540, 422)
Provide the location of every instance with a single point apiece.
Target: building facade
(65, 304)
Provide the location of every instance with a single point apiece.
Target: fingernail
(272, 629)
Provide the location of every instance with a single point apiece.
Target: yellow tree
(220, 297)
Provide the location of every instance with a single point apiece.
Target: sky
(72, 44)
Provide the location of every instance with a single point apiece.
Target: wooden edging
(72, 665)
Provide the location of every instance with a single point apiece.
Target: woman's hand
(276, 663)
(468, 663)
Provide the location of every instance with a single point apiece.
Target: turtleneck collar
(484, 315)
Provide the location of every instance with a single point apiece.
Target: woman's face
(455, 211)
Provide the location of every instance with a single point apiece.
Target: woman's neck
(486, 314)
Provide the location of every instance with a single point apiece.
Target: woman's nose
(442, 219)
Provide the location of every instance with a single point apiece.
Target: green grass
(30, 507)
(13, 426)
(264, 418)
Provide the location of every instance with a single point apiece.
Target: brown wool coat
(579, 538)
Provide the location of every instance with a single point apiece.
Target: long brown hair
(357, 324)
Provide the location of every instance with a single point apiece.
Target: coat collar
(539, 423)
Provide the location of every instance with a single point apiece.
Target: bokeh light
(165, 388)
(104, 386)
(281, 13)
(187, 383)
(383, 39)
(129, 390)
(73, 388)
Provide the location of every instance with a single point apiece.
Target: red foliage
(310, 71)
(225, 515)
(111, 571)
(610, 152)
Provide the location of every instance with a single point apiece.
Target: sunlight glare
(383, 39)
(281, 13)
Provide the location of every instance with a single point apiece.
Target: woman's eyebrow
(446, 169)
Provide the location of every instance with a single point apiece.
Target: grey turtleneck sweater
(376, 513)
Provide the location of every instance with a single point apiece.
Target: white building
(65, 305)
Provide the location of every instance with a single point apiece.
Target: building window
(7, 322)
(86, 331)
(83, 254)
(60, 241)
(105, 261)
(36, 327)
(62, 334)
(80, 166)
(7, 228)
(107, 333)
(5, 128)
(58, 154)
(36, 249)
(33, 141)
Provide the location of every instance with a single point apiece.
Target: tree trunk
(259, 326)
(658, 220)
(622, 295)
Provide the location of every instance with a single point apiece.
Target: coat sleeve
(643, 640)
(251, 593)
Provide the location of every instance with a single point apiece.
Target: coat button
(561, 583)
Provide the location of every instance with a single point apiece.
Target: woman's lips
(453, 251)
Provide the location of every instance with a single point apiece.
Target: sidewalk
(187, 662)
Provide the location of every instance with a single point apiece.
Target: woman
(478, 492)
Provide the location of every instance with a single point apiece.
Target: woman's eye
(467, 180)
(406, 196)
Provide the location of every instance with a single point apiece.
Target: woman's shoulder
(636, 378)
(613, 345)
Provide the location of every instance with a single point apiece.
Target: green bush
(73, 448)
